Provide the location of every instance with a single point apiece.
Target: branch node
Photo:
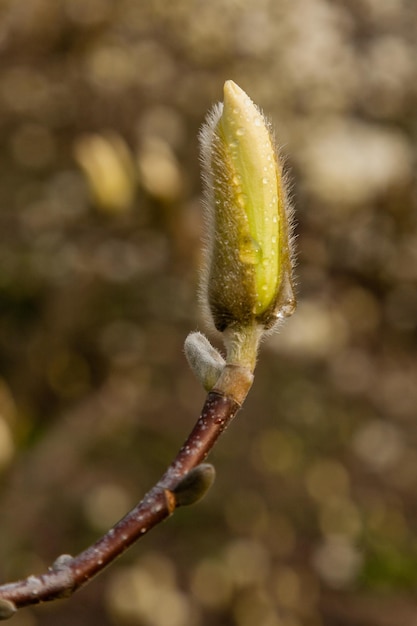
(171, 501)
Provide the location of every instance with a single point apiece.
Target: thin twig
(248, 290)
(181, 484)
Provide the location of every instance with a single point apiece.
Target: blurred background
(312, 518)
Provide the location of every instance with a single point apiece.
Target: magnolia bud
(248, 273)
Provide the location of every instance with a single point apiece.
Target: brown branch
(184, 482)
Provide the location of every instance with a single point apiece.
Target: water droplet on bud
(250, 252)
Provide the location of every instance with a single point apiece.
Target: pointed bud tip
(232, 90)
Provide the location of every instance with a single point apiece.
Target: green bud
(248, 274)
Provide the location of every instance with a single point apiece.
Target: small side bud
(248, 275)
(194, 485)
(62, 562)
(205, 361)
(7, 609)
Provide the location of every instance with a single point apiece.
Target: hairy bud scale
(248, 274)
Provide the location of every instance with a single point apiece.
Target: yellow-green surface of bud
(248, 267)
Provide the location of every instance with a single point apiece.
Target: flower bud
(248, 273)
